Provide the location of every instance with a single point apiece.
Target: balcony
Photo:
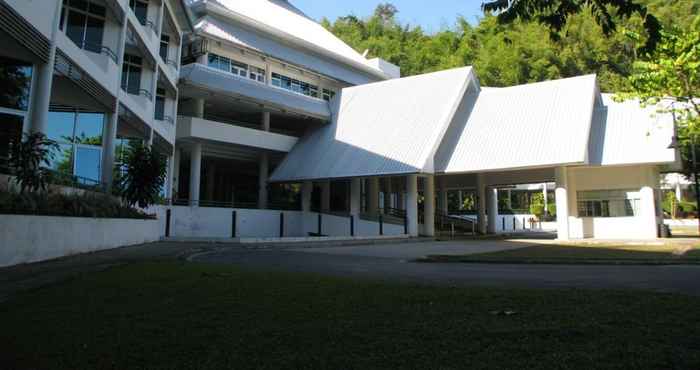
(98, 61)
(214, 80)
(197, 128)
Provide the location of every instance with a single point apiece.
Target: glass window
(61, 126)
(94, 30)
(160, 104)
(15, 83)
(239, 68)
(88, 128)
(294, 85)
(131, 74)
(63, 159)
(10, 132)
(164, 45)
(87, 163)
(328, 94)
(257, 74)
(140, 9)
(608, 203)
(85, 23)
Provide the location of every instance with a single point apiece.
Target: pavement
(388, 261)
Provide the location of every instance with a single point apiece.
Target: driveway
(393, 262)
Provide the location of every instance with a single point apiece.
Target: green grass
(183, 316)
(584, 254)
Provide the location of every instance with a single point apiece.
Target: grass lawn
(584, 254)
(188, 316)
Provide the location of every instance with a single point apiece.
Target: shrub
(144, 177)
(29, 160)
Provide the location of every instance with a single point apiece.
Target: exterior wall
(25, 239)
(641, 226)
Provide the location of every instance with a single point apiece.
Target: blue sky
(432, 15)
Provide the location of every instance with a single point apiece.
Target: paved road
(392, 262)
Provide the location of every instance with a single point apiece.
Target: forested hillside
(512, 54)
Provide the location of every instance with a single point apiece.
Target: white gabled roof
(625, 133)
(388, 127)
(282, 19)
(527, 126)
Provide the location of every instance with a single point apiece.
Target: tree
(144, 177)
(386, 12)
(555, 14)
(29, 160)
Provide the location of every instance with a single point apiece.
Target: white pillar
(412, 204)
(372, 195)
(355, 196)
(460, 199)
(648, 205)
(176, 174)
(326, 196)
(199, 108)
(195, 173)
(263, 173)
(109, 138)
(387, 193)
(492, 200)
(429, 206)
(481, 202)
(562, 202)
(265, 122)
(307, 187)
(679, 193)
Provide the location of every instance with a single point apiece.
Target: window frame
(67, 9)
(75, 145)
(606, 203)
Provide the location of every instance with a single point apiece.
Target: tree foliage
(144, 177)
(512, 53)
(556, 13)
(29, 161)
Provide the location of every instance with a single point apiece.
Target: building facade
(275, 127)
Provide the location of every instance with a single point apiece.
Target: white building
(278, 128)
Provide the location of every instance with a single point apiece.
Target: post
(326, 196)
(546, 202)
(307, 187)
(492, 200)
(281, 224)
(352, 225)
(234, 222)
(412, 204)
(381, 224)
(109, 137)
(195, 173)
(263, 173)
(320, 224)
(562, 202)
(355, 196)
(372, 195)
(167, 222)
(429, 206)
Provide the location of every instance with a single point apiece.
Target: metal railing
(275, 206)
(172, 63)
(98, 49)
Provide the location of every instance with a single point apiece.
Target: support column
(562, 202)
(460, 199)
(509, 201)
(199, 108)
(546, 202)
(195, 173)
(307, 188)
(175, 184)
(444, 203)
(326, 196)
(372, 195)
(263, 173)
(355, 196)
(492, 200)
(109, 138)
(386, 189)
(429, 206)
(481, 202)
(412, 204)
(648, 206)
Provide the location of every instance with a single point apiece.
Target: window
(160, 104)
(15, 82)
(328, 94)
(79, 135)
(608, 203)
(140, 9)
(84, 23)
(164, 46)
(131, 74)
(294, 85)
(10, 133)
(237, 68)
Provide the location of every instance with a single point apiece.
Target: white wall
(25, 239)
(641, 226)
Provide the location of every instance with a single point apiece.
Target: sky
(432, 15)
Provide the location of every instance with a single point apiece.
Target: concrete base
(295, 240)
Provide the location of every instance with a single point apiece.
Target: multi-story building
(256, 76)
(91, 75)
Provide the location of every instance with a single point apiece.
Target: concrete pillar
(679, 193)
(195, 173)
(444, 202)
(263, 174)
(265, 121)
(429, 206)
(492, 200)
(412, 204)
(386, 189)
(326, 196)
(355, 196)
(372, 195)
(199, 108)
(562, 202)
(307, 188)
(211, 182)
(509, 199)
(460, 199)
(109, 138)
(481, 202)
(648, 205)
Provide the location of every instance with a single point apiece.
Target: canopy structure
(444, 123)
(391, 127)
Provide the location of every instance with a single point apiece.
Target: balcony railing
(99, 49)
